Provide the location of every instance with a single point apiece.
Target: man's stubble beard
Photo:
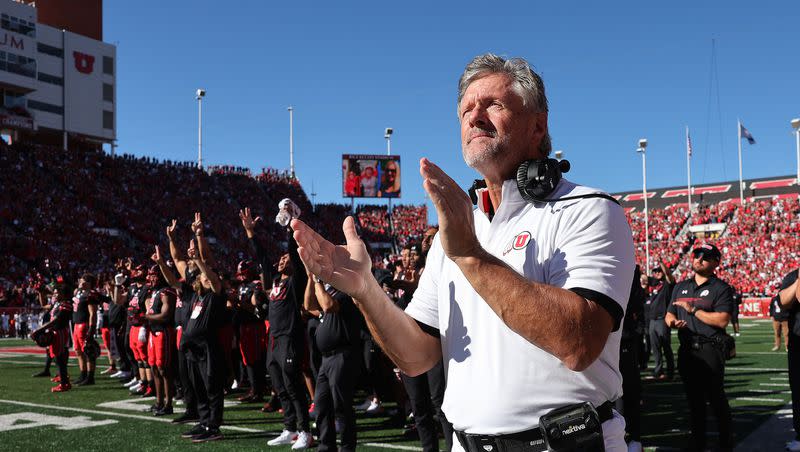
(485, 154)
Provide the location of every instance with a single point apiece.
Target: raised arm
(300, 274)
(348, 268)
(310, 303)
(119, 296)
(326, 301)
(41, 295)
(213, 278)
(667, 274)
(202, 244)
(177, 256)
(169, 276)
(249, 225)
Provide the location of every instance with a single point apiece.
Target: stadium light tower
(796, 127)
(559, 155)
(642, 150)
(201, 93)
(291, 140)
(388, 135)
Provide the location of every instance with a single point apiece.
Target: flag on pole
(746, 134)
(688, 144)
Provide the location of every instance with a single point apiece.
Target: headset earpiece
(537, 179)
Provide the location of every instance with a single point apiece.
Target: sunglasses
(703, 255)
(391, 170)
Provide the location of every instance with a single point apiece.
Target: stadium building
(57, 76)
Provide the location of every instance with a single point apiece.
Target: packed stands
(84, 209)
(759, 245)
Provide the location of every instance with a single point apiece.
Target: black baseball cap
(656, 269)
(707, 251)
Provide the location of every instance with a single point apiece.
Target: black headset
(537, 179)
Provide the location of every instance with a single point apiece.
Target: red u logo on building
(84, 63)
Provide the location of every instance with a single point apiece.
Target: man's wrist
(475, 257)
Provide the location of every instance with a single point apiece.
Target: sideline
(159, 419)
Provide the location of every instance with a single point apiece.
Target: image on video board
(370, 176)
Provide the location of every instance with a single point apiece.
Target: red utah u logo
(84, 63)
(521, 240)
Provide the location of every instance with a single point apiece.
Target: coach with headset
(522, 297)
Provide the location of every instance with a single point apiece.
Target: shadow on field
(254, 420)
(227, 436)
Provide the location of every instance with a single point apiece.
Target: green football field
(104, 417)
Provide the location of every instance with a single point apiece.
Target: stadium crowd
(69, 236)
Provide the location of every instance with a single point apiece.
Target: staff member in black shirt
(700, 309)
(662, 283)
(337, 338)
(188, 272)
(789, 294)
(286, 333)
(204, 353)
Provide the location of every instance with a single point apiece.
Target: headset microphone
(537, 179)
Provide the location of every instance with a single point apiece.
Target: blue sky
(614, 72)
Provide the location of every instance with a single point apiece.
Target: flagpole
(688, 171)
(741, 183)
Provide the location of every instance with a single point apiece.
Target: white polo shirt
(497, 381)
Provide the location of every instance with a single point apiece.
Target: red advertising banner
(756, 308)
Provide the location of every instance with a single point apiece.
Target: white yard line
(110, 413)
(159, 419)
(760, 399)
(759, 369)
(391, 446)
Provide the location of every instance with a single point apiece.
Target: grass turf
(756, 383)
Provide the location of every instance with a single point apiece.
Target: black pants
(426, 393)
(127, 351)
(629, 406)
(660, 342)
(314, 355)
(703, 373)
(207, 376)
(794, 380)
(189, 394)
(334, 398)
(287, 380)
(121, 339)
(646, 347)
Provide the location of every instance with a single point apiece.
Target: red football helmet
(154, 277)
(246, 271)
(137, 273)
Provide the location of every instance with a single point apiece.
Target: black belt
(335, 351)
(529, 440)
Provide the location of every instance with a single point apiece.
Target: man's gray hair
(528, 84)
